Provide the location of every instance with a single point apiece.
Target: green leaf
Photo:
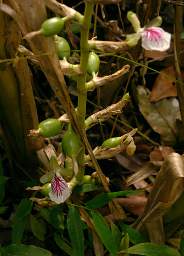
(38, 228)
(104, 198)
(75, 230)
(18, 228)
(25, 250)
(57, 217)
(62, 244)
(20, 220)
(125, 242)
(116, 235)
(53, 216)
(104, 232)
(23, 209)
(134, 235)
(150, 249)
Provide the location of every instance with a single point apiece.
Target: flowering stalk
(153, 38)
(81, 82)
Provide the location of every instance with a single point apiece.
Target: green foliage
(103, 198)
(104, 232)
(134, 235)
(25, 250)
(64, 246)
(150, 249)
(53, 216)
(38, 227)
(75, 230)
(20, 219)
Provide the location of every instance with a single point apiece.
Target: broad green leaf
(53, 216)
(38, 228)
(18, 228)
(57, 217)
(150, 249)
(75, 230)
(62, 244)
(25, 250)
(116, 235)
(23, 209)
(104, 232)
(104, 198)
(20, 219)
(134, 235)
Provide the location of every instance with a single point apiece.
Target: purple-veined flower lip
(60, 190)
(155, 38)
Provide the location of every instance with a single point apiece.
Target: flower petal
(155, 39)
(59, 190)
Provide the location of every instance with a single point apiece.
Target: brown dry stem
(100, 81)
(108, 46)
(107, 113)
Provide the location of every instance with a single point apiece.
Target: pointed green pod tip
(71, 144)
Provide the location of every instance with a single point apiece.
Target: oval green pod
(45, 189)
(93, 63)
(71, 144)
(112, 142)
(62, 47)
(52, 26)
(50, 127)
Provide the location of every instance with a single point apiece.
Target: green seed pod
(71, 144)
(112, 142)
(62, 47)
(45, 189)
(52, 26)
(50, 127)
(93, 63)
(68, 168)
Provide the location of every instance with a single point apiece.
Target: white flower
(60, 190)
(155, 39)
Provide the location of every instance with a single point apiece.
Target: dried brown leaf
(166, 190)
(164, 85)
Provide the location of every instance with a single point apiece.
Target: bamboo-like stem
(84, 50)
(81, 82)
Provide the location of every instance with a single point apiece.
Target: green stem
(84, 50)
(81, 83)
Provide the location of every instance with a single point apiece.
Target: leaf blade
(75, 230)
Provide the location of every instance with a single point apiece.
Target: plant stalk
(81, 82)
